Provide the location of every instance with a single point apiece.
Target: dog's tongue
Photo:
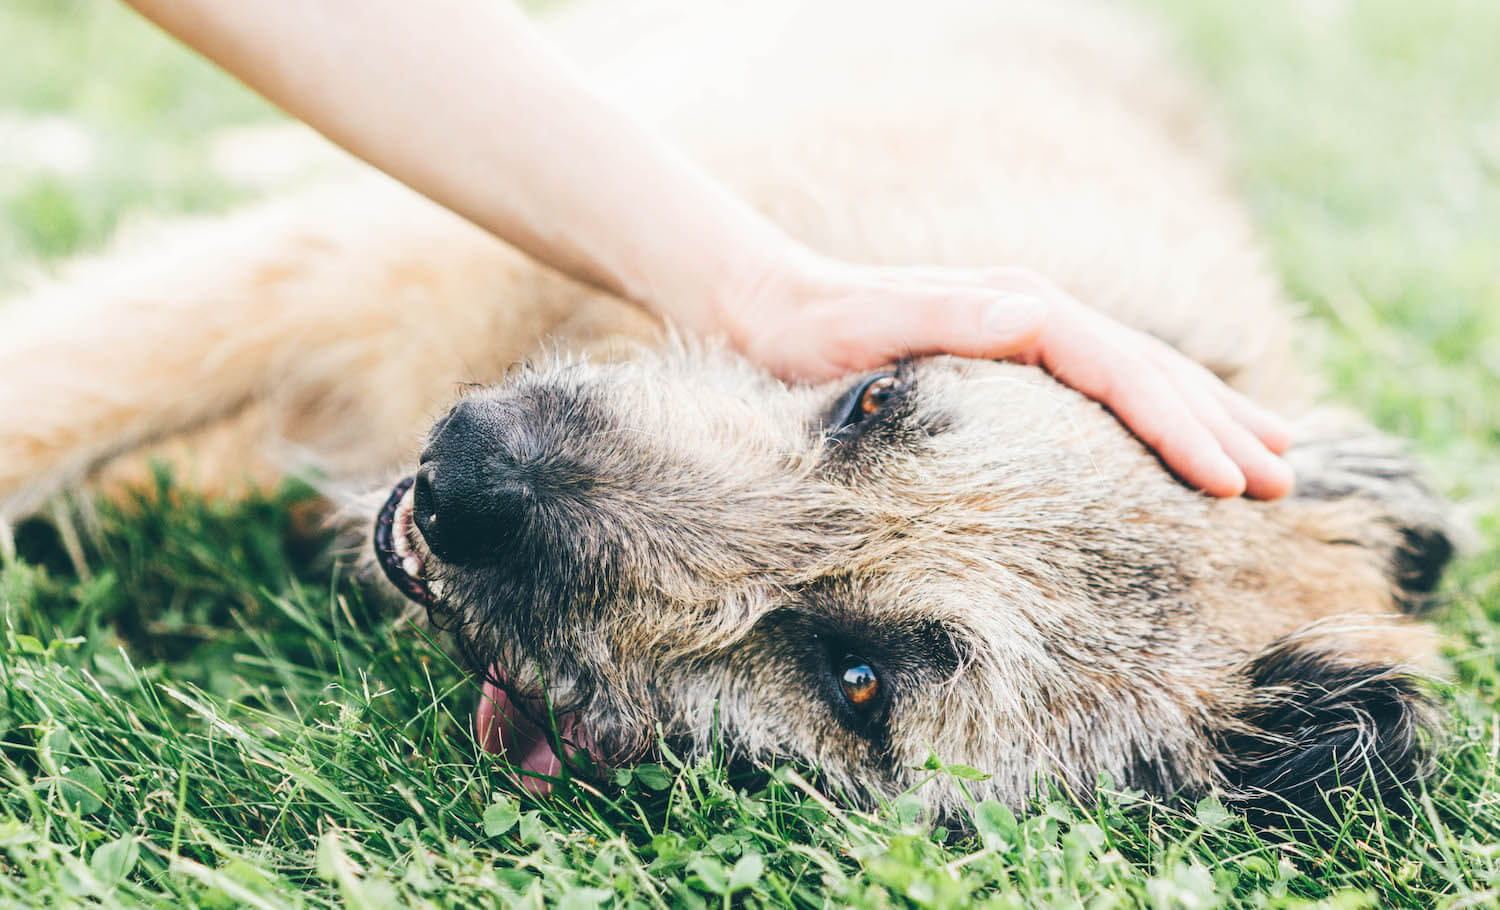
(505, 729)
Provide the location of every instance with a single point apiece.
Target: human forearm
(460, 100)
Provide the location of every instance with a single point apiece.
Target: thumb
(969, 324)
(1012, 324)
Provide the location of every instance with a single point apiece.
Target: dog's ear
(1318, 727)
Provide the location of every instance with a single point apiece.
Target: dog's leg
(1361, 491)
(344, 319)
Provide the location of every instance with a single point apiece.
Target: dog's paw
(1404, 519)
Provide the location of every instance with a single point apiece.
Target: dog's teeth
(412, 566)
(401, 533)
(437, 588)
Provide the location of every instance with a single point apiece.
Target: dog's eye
(858, 680)
(877, 394)
(865, 400)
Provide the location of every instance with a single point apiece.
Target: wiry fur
(1040, 598)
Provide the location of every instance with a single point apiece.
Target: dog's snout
(469, 495)
(424, 510)
(468, 426)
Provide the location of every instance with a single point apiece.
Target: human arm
(462, 101)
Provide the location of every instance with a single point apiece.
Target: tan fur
(1103, 613)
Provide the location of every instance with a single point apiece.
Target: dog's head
(949, 557)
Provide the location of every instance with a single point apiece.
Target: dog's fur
(693, 547)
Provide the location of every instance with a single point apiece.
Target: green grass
(140, 106)
(195, 711)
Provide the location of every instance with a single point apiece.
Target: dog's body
(673, 539)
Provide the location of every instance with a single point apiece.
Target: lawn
(196, 710)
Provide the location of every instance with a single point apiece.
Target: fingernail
(1234, 478)
(1283, 480)
(1015, 314)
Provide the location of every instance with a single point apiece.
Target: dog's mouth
(521, 729)
(402, 557)
(513, 725)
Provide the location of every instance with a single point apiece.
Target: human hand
(824, 319)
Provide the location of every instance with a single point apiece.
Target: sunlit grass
(101, 116)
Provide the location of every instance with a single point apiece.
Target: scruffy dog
(948, 557)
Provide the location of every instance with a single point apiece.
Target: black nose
(470, 492)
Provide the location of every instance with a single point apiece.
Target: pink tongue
(505, 730)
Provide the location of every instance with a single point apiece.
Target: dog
(635, 536)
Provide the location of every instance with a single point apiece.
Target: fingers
(1249, 435)
(1270, 429)
(1266, 475)
(1143, 399)
(1273, 432)
(1211, 436)
(1191, 449)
